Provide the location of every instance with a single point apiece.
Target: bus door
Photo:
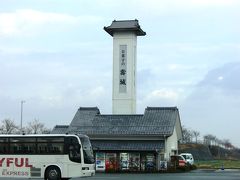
(73, 149)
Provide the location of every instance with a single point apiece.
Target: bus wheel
(53, 173)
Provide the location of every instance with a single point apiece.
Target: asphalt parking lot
(197, 174)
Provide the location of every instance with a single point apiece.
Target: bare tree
(187, 135)
(213, 140)
(35, 127)
(196, 134)
(8, 127)
(227, 144)
(207, 139)
(220, 143)
(184, 134)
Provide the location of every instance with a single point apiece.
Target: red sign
(18, 162)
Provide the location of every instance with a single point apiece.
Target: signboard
(123, 68)
(150, 162)
(163, 165)
(124, 161)
(134, 161)
(111, 162)
(100, 161)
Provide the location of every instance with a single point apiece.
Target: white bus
(49, 156)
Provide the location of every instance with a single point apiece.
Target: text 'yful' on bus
(49, 156)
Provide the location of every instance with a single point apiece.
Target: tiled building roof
(60, 129)
(125, 26)
(112, 132)
(139, 145)
(154, 121)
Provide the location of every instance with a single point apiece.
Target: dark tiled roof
(60, 129)
(84, 116)
(127, 145)
(154, 121)
(123, 26)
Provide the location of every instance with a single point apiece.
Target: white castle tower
(124, 35)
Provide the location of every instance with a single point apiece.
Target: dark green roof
(125, 26)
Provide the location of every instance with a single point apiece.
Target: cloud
(220, 78)
(163, 93)
(160, 97)
(224, 78)
(179, 67)
(97, 92)
(213, 2)
(213, 106)
(28, 22)
(174, 6)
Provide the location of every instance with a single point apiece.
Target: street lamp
(22, 112)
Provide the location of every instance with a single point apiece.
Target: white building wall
(124, 102)
(171, 144)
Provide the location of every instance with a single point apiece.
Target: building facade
(124, 140)
(129, 142)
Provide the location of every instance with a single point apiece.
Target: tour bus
(49, 156)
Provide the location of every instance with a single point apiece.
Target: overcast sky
(56, 56)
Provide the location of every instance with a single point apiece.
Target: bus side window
(73, 149)
(50, 145)
(4, 146)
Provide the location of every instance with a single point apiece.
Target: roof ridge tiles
(88, 108)
(162, 108)
(59, 126)
(120, 115)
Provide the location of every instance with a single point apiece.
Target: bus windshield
(87, 150)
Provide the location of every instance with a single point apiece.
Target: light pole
(22, 112)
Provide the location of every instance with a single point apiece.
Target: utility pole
(22, 112)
